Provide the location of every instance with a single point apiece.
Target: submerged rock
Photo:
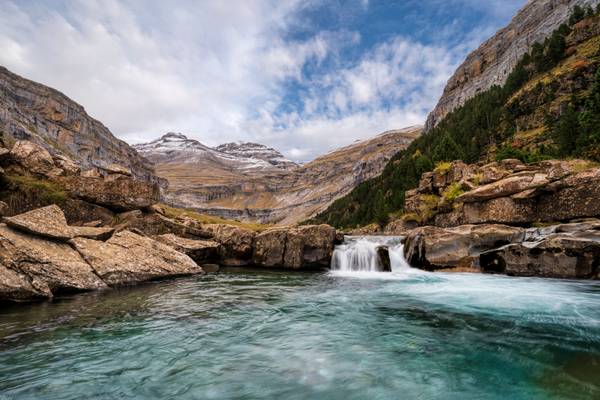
(129, 258)
(383, 252)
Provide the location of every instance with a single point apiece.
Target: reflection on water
(248, 334)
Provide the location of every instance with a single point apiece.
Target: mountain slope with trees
(549, 107)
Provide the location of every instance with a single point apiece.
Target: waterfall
(359, 254)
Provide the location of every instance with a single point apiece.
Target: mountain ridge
(491, 63)
(280, 192)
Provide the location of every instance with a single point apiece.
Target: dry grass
(172, 212)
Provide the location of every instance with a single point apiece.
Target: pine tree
(566, 131)
(577, 15)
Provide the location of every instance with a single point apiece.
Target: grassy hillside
(549, 107)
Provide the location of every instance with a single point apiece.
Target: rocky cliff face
(493, 61)
(34, 112)
(254, 183)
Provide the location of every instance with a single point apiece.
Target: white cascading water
(359, 254)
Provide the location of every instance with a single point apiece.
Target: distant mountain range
(250, 181)
(242, 156)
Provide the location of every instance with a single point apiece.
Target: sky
(304, 77)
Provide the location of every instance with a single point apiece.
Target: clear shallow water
(265, 335)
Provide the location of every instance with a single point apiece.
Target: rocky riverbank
(506, 217)
(107, 229)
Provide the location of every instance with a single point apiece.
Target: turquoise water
(264, 335)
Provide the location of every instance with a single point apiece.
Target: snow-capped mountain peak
(178, 148)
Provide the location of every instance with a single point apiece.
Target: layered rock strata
(36, 113)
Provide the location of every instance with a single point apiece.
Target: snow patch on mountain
(176, 147)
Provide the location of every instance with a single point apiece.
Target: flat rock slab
(129, 258)
(50, 222)
(33, 267)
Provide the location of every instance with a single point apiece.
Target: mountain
(256, 151)
(32, 111)
(548, 108)
(177, 148)
(252, 182)
(491, 63)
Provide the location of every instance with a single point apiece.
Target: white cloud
(218, 72)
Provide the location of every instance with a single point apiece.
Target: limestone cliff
(34, 112)
(494, 60)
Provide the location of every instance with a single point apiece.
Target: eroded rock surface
(506, 192)
(557, 256)
(121, 193)
(201, 251)
(433, 248)
(33, 267)
(50, 222)
(129, 258)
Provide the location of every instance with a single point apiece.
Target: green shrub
(452, 192)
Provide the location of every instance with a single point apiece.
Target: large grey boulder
(122, 193)
(236, 243)
(50, 222)
(309, 246)
(33, 158)
(564, 255)
(129, 258)
(32, 267)
(432, 248)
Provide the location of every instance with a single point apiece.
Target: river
(352, 333)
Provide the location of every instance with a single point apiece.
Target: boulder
(155, 224)
(68, 166)
(505, 187)
(236, 243)
(50, 222)
(503, 210)
(309, 247)
(269, 248)
(32, 267)
(129, 258)
(432, 248)
(575, 196)
(3, 208)
(34, 158)
(556, 256)
(201, 251)
(116, 169)
(383, 252)
(122, 194)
